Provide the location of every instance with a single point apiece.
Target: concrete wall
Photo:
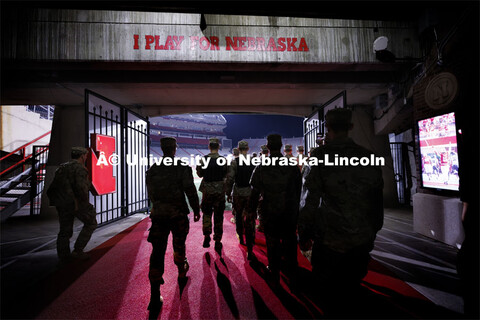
(19, 126)
(68, 130)
(459, 58)
(80, 35)
(363, 133)
(439, 218)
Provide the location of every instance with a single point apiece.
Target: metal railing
(45, 112)
(23, 154)
(37, 178)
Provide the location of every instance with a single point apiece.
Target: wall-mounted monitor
(439, 152)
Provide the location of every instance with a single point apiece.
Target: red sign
(102, 147)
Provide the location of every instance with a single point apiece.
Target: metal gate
(402, 171)
(312, 127)
(314, 124)
(132, 147)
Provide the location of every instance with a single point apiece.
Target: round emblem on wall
(441, 90)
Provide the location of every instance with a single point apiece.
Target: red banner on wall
(103, 181)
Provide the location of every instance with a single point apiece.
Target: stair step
(17, 191)
(22, 188)
(12, 195)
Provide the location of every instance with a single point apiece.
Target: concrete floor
(427, 265)
(28, 253)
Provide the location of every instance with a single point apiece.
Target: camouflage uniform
(69, 193)
(280, 187)
(238, 179)
(260, 227)
(288, 151)
(213, 198)
(300, 156)
(235, 153)
(167, 186)
(264, 150)
(344, 227)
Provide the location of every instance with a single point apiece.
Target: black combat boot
(240, 239)
(218, 247)
(250, 255)
(156, 300)
(206, 241)
(183, 269)
(273, 277)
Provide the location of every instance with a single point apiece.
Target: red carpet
(115, 285)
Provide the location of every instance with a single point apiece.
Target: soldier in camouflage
(213, 198)
(300, 155)
(167, 186)
(344, 227)
(264, 150)
(69, 192)
(236, 153)
(280, 187)
(260, 227)
(238, 179)
(288, 151)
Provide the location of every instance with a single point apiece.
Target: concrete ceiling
(184, 88)
(160, 99)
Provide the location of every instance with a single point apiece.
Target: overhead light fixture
(381, 53)
(380, 46)
(203, 22)
(381, 43)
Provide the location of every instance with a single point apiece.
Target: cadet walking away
(69, 194)
(167, 186)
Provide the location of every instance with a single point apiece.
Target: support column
(68, 130)
(363, 133)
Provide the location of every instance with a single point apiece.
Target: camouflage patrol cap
(300, 148)
(168, 142)
(288, 147)
(339, 117)
(214, 140)
(236, 152)
(78, 151)
(243, 144)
